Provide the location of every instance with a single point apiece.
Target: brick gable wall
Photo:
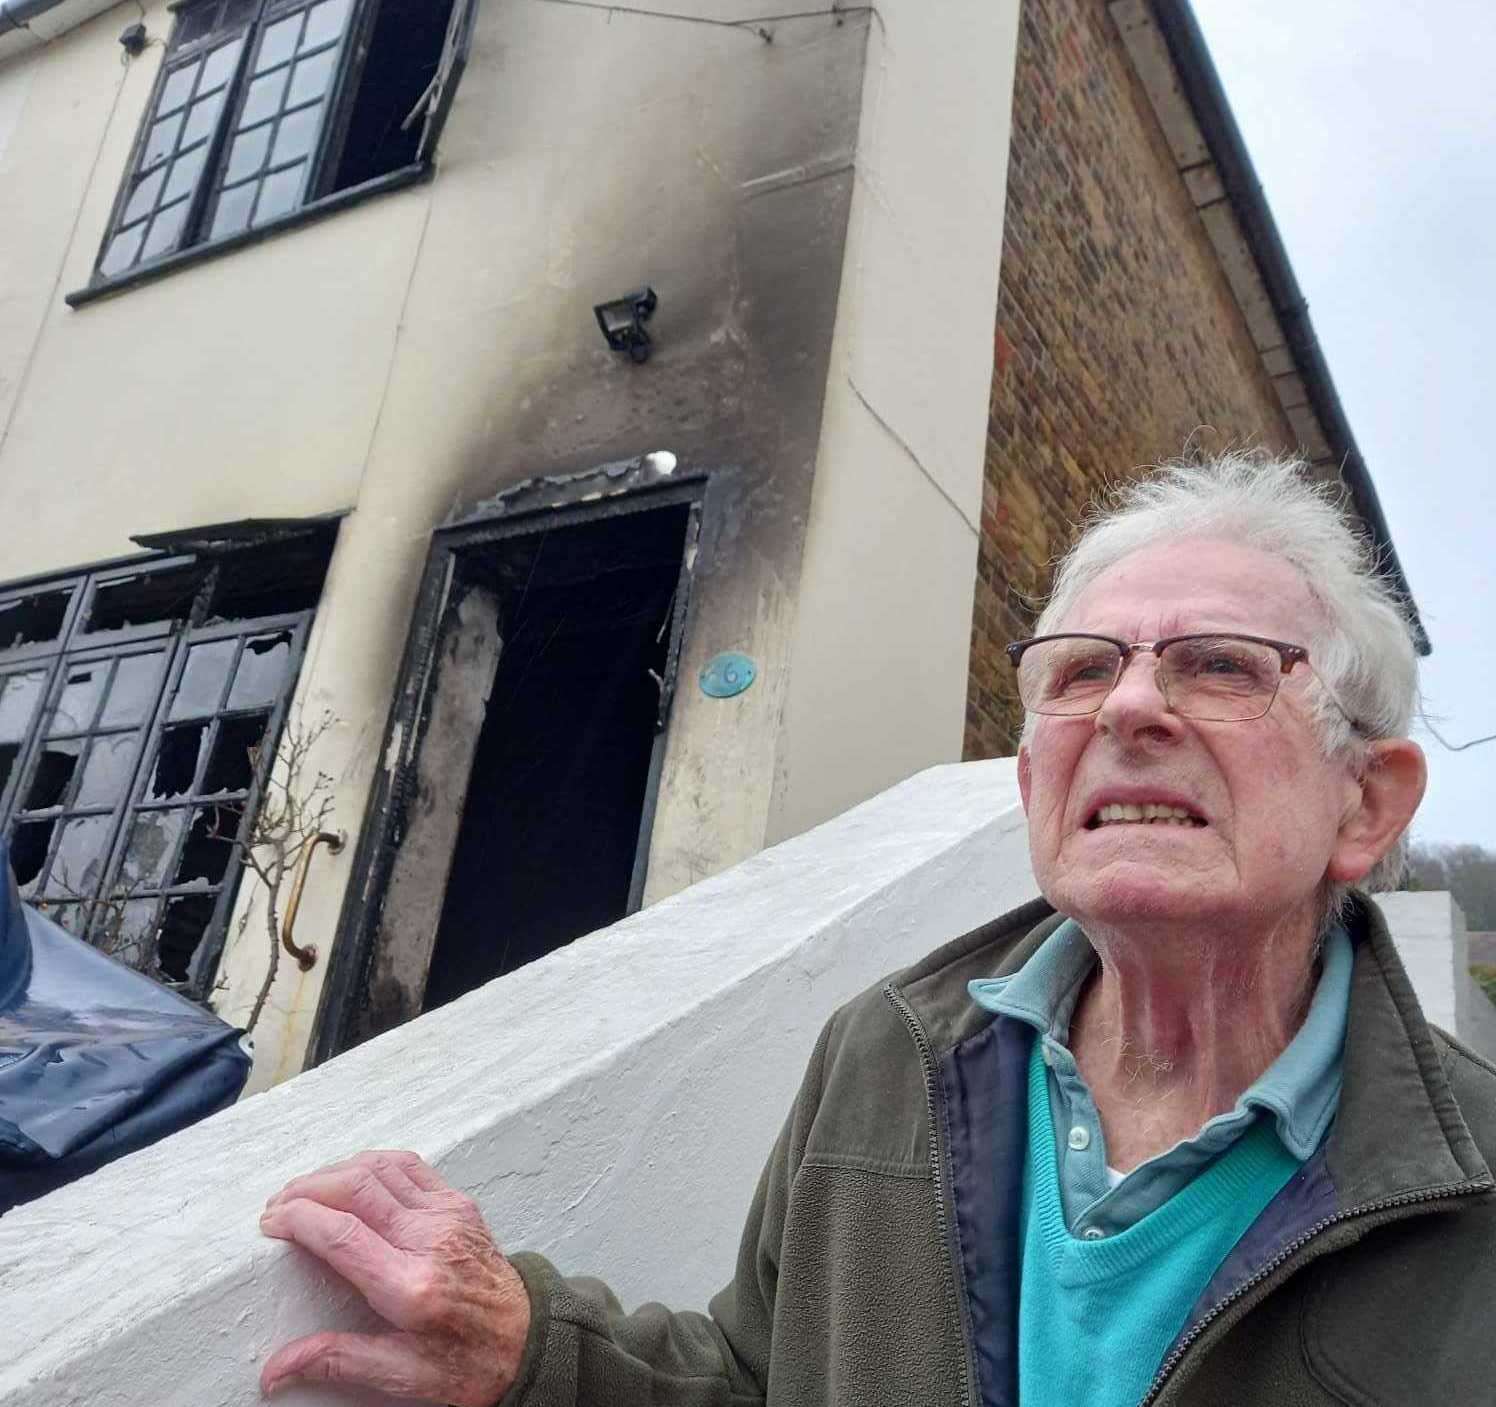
(1118, 342)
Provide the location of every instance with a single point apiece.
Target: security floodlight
(622, 322)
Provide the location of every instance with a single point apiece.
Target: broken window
(265, 106)
(131, 753)
(142, 598)
(33, 620)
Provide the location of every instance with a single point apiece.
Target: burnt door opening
(550, 831)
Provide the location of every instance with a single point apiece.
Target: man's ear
(1390, 788)
(1025, 775)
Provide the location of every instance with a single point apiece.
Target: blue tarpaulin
(96, 1060)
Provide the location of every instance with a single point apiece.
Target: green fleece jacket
(875, 1268)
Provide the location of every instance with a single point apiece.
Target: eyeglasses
(1212, 678)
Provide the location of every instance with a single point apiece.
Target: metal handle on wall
(306, 957)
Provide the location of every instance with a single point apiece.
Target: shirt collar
(1299, 1090)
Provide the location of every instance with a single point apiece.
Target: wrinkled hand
(419, 1253)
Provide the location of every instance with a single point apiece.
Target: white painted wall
(149, 1282)
(1429, 931)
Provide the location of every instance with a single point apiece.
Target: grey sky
(1372, 128)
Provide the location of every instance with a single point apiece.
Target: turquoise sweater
(1096, 1317)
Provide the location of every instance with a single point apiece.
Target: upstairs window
(264, 108)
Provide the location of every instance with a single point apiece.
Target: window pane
(262, 671)
(247, 156)
(133, 692)
(78, 864)
(176, 761)
(145, 598)
(107, 772)
(166, 231)
(297, 135)
(78, 701)
(202, 119)
(220, 66)
(178, 87)
(233, 210)
(210, 846)
(68, 916)
(202, 681)
(311, 77)
(264, 98)
(126, 929)
(235, 753)
(187, 919)
(19, 696)
(122, 250)
(194, 22)
(33, 620)
(144, 200)
(280, 193)
(324, 22)
(151, 849)
(28, 852)
(184, 173)
(279, 43)
(162, 141)
(52, 775)
(9, 753)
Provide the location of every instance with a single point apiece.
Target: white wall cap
(1428, 931)
(1424, 914)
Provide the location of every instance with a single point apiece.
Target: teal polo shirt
(1299, 1092)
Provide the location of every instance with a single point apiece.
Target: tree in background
(1469, 873)
(1466, 871)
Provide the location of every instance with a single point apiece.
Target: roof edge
(17, 14)
(1207, 97)
(25, 25)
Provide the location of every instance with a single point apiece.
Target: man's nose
(1137, 703)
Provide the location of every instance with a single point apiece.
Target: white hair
(1363, 651)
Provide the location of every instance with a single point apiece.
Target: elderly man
(1184, 1137)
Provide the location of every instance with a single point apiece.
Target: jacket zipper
(1433, 1194)
(927, 1062)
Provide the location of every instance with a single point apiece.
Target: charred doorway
(537, 690)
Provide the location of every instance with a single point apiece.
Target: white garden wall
(610, 1105)
(1429, 931)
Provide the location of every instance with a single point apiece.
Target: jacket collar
(1399, 1130)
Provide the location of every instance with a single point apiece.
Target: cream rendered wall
(409, 358)
(883, 632)
(14, 85)
(50, 127)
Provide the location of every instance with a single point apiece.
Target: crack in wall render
(913, 458)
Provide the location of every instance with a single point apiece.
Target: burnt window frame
(567, 502)
(196, 240)
(76, 648)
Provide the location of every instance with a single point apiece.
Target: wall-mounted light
(133, 40)
(623, 319)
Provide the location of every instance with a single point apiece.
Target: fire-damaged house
(473, 468)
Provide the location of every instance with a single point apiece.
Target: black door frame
(351, 959)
